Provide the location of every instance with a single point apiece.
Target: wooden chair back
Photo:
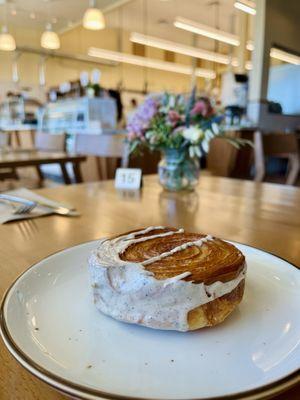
(220, 157)
(105, 145)
(147, 161)
(50, 142)
(4, 139)
(225, 160)
(281, 145)
(110, 150)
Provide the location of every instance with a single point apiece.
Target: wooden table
(262, 215)
(16, 129)
(27, 158)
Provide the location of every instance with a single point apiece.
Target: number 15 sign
(128, 178)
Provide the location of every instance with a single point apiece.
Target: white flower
(209, 134)
(192, 134)
(191, 152)
(194, 151)
(205, 145)
(215, 128)
(171, 101)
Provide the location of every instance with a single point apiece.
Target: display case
(80, 115)
(18, 110)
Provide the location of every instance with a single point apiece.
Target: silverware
(28, 205)
(24, 209)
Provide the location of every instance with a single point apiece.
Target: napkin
(7, 211)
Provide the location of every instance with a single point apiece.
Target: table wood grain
(262, 215)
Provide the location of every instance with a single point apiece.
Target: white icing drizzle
(176, 278)
(132, 235)
(143, 239)
(128, 292)
(183, 246)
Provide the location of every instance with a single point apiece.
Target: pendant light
(50, 39)
(7, 41)
(93, 18)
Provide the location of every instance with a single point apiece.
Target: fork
(29, 205)
(24, 209)
(26, 206)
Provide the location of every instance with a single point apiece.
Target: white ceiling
(64, 11)
(154, 17)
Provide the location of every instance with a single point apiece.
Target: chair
(50, 142)
(6, 173)
(4, 139)
(225, 160)
(110, 150)
(147, 161)
(280, 145)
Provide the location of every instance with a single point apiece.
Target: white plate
(49, 323)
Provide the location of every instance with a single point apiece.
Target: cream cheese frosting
(128, 292)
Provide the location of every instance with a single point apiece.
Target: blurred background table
(31, 157)
(262, 215)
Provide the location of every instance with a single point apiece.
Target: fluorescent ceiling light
(149, 63)
(246, 6)
(284, 56)
(278, 54)
(179, 48)
(206, 30)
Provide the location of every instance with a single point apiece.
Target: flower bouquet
(181, 129)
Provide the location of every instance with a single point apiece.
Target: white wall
(284, 87)
(276, 24)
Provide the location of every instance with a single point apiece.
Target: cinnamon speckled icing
(128, 292)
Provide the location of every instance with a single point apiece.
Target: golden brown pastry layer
(213, 261)
(216, 311)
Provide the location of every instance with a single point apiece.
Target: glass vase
(177, 171)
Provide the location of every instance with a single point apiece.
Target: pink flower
(202, 107)
(179, 129)
(131, 135)
(174, 116)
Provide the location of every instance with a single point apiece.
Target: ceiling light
(179, 48)
(207, 31)
(250, 45)
(149, 63)
(284, 56)
(93, 18)
(278, 54)
(248, 65)
(49, 39)
(7, 41)
(246, 6)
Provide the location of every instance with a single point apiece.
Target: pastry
(166, 278)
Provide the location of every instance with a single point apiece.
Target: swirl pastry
(167, 278)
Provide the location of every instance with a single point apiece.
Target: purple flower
(140, 120)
